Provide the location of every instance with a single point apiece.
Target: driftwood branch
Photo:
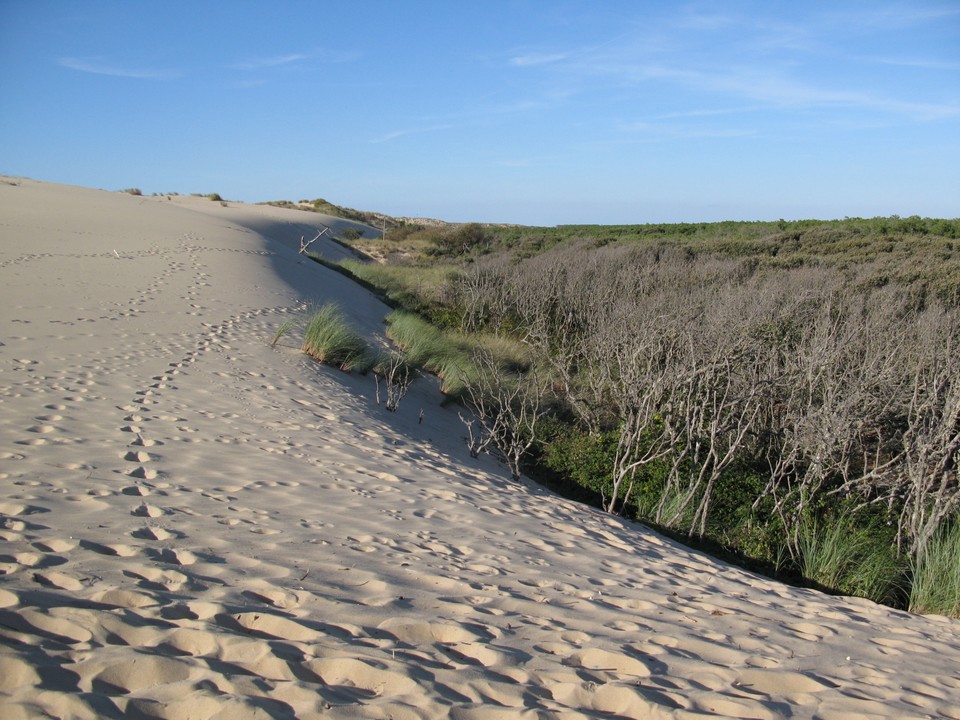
(305, 245)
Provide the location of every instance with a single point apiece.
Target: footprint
(177, 557)
(148, 510)
(58, 580)
(154, 533)
(139, 456)
(117, 550)
(351, 674)
(606, 661)
(141, 671)
(276, 626)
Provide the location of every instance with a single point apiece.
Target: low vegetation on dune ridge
(785, 394)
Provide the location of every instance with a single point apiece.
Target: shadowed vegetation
(724, 382)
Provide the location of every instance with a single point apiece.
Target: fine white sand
(195, 524)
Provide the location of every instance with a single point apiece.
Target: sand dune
(194, 524)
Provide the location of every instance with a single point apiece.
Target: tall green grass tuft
(433, 350)
(329, 339)
(450, 355)
(842, 556)
(936, 575)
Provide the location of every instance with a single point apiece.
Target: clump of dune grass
(450, 355)
(936, 575)
(329, 339)
(427, 347)
(840, 555)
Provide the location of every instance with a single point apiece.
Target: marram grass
(936, 575)
(329, 339)
(842, 556)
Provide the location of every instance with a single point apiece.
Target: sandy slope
(196, 525)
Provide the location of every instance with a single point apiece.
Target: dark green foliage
(460, 241)
(585, 459)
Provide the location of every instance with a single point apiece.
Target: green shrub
(132, 191)
(586, 459)
(936, 575)
(329, 339)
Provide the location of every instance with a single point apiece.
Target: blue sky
(526, 111)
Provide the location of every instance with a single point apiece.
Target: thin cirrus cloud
(533, 59)
(276, 61)
(97, 66)
(263, 63)
(764, 88)
(776, 90)
(920, 63)
(395, 134)
(655, 132)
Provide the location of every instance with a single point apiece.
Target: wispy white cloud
(658, 131)
(97, 66)
(770, 88)
(711, 112)
(777, 90)
(533, 59)
(762, 61)
(276, 61)
(527, 162)
(393, 135)
(919, 63)
(261, 63)
(694, 19)
(894, 15)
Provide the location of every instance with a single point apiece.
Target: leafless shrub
(396, 375)
(507, 409)
(839, 387)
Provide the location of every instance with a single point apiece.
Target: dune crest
(195, 524)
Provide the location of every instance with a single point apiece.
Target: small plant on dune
(936, 575)
(329, 339)
(396, 374)
(133, 191)
(284, 329)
